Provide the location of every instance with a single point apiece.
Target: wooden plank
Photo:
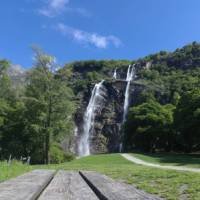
(27, 186)
(68, 185)
(108, 189)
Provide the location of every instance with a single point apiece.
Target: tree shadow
(175, 158)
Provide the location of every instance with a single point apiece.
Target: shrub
(57, 155)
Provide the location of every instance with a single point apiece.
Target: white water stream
(89, 117)
(129, 77)
(115, 74)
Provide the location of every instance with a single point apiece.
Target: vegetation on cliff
(166, 117)
(37, 118)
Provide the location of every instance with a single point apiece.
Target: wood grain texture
(108, 189)
(27, 186)
(68, 185)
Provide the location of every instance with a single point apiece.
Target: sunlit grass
(14, 169)
(169, 184)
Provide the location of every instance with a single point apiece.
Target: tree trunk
(48, 132)
(47, 147)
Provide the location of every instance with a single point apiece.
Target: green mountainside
(39, 113)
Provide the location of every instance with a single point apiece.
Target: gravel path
(141, 162)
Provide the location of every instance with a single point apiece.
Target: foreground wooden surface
(26, 187)
(106, 188)
(68, 185)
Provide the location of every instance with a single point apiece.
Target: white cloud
(53, 8)
(84, 37)
(58, 4)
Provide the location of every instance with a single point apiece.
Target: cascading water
(76, 131)
(89, 117)
(72, 144)
(129, 78)
(115, 74)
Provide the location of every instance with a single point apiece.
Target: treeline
(152, 126)
(36, 119)
(166, 116)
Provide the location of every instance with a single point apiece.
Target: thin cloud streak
(53, 8)
(88, 38)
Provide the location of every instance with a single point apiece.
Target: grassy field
(189, 160)
(165, 183)
(13, 170)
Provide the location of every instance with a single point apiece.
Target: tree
(4, 88)
(48, 103)
(187, 121)
(148, 126)
(4, 80)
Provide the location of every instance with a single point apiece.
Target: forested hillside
(163, 112)
(167, 115)
(40, 108)
(36, 118)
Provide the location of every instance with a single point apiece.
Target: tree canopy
(148, 125)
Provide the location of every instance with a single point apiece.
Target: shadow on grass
(171, 158)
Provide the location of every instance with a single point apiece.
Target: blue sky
(95, 29)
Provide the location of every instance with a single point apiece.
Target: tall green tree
(149, 126)
(48, 103)
(187, 121)
(4, 88)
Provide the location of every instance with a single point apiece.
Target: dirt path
(141, 162)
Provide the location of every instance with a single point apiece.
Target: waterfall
(89, 117)
(120, 147)
(129, 77)
(115, 74)
(75, 131)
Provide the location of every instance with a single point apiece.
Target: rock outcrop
(108, 128)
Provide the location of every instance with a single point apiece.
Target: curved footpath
(141, 162)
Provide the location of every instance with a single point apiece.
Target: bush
(57, 155)
(69, 157)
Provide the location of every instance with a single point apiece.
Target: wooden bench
(108, 189)
(26, 187)
(68, 185)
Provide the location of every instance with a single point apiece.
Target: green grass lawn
(165, 183)
(13, 170)
(189, 160)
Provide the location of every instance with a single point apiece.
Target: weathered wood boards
(108, 189)
(68, 186)
(27, 186)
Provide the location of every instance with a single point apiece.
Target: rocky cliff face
(108, 129)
